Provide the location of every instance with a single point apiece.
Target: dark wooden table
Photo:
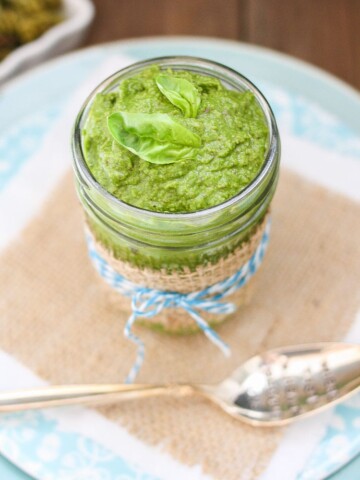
(323, 32)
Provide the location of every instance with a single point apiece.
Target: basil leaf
(181, 93)
(154, 137)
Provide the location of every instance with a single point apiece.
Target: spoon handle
(61, 395)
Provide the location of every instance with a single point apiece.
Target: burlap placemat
(56, 319)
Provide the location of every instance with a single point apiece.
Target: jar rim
(182, 62)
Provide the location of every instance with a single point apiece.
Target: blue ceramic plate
(309, 104)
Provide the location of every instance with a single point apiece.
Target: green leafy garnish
(154, 137)
(181, 93)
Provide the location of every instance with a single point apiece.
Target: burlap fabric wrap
(56, 319)
(177, 320)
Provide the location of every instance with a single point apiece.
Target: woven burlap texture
(56, 319)
(177, 320)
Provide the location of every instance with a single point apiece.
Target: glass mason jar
(180, 252)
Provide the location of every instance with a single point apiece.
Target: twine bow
(147, 302)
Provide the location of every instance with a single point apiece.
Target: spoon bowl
(280, 385)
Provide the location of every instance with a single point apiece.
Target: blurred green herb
(22, 21)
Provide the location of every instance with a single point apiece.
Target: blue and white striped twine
(148, 302)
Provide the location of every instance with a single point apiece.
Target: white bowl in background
(58, 39)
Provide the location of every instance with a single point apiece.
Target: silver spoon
(270, 389)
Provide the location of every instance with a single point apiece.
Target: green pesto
(189, 330)
(230, 124)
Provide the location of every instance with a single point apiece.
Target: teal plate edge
(300, 77)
